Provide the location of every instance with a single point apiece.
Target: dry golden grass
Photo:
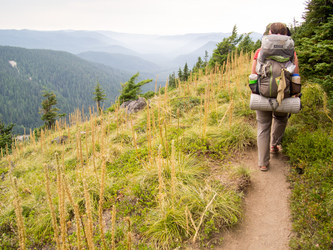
(80, 181)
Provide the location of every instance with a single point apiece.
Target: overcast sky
(161, 17)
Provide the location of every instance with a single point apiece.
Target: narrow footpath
(267, 223)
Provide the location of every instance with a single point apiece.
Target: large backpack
(275, 56)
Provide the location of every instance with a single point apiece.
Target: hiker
(265, 118)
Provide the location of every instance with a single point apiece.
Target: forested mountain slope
(25, 73)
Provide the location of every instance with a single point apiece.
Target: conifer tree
(131, 90)
(180, 74)
(172, 80)
(206, 57)
(225, 47)
(99, 96)
(49, 113)
(314, 44)
(185, 72)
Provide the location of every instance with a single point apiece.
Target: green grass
(167, 185)
(309, 144)
(163, 185)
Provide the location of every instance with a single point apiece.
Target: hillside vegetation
(155, 179)
(163, 177)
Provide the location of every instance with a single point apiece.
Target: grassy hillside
(152, 179)
(163, 177)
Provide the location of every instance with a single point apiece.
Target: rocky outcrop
(22, 138)
(134, 106)
(60, 139)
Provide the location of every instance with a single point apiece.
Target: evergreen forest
(26, 73)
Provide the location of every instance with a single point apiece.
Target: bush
(310, 147)
(311, 198)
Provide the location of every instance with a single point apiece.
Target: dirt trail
(267, 222)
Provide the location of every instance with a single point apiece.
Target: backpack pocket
(270, 71)
(295, 86)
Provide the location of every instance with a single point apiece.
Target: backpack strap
(272, 104)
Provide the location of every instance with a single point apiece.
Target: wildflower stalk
(76, 212)
(129, 238)
(160, 178)
(53, 213)
(19, 217)
(113, 226)
(134, 140)
(173, 172)
(100, 209)
(89, 224)
(61, 194)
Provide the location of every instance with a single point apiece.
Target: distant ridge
(120, 61)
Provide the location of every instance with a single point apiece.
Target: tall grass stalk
(19, 217)
(160, 124)
(76, 212)
(41, 140)
(86, 140)
(61, 195)
(80, 148)
(153, 120)
(173, 172)
(160, 178)
(93, 144)
(53, 212)
(156, 84)
(326, 110)
(113, 227)
(134, 139)
(129, 232)
(226, 112)
(100, 208)
(231, 111)
(89, 224)
(201, 219)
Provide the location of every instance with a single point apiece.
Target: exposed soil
(266, 223)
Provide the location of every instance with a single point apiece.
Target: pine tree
(206, 57)
(224, 48)
(49, 113)
(172, 80)
(99, 96)
(186, 72)
(314, 44)
(131, 90)
(247, 45)
(180, 74)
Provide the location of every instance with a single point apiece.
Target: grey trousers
(266, 130)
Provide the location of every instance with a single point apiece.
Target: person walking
(271, 124)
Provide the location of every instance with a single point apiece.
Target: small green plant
(184, 104)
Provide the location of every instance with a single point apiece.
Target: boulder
(22, 138)
(134, 106)
(60, 139)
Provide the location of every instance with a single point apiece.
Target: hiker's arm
(296, 71)
(253, 69)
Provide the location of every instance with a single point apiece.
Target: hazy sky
(163, 17)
